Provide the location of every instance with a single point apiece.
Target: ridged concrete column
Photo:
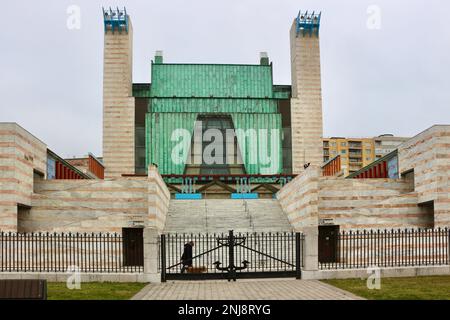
(118, 104)
(306, 102)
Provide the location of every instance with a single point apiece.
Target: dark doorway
(133, 247)
(23, 218)
(328, 244)
(226, 155)
(427, 210)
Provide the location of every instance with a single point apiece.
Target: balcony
(355, 154)
(355, 145)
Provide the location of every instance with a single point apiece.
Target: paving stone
(261, 289)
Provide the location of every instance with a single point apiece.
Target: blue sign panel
(188, 196)
(244, 196)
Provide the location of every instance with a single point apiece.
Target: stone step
(221, 215)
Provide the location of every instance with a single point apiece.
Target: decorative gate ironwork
(232, 256)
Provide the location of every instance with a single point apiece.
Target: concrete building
(386, 143)
(138, 119)
(144, 187)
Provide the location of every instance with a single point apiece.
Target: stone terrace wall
(20, 154)
(352, 203)
(158, 199)
(428, 154)
(97, 205)
(299, 199)
(371, 203)
(87, 206)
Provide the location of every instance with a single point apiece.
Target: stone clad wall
(352, 203)
(20, 154)
(97, 205)
(306, 102)
(299, 199)
(428, 154)
(371, 203)
(158, 199)
(87, 206)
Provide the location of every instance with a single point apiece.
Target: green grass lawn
(414, 288)
(94, 291)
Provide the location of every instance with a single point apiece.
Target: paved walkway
(261, 289)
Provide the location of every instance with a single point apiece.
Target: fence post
(311, 253)
(232, 267)
(151, 255)
(298, 257)
(448, 245)
(163, 258)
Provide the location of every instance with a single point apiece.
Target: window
(368, 151)
(368, 159)
(343, 144)
(343, 151)
(139, 149)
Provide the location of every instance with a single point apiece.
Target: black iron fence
(60, 252)
(249, 255)
(388, 248)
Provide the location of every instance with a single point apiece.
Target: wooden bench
(23, 289)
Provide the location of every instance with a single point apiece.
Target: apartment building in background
(386, 143)
(357, 153)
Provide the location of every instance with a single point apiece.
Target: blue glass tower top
(115, 19)
(308, 23)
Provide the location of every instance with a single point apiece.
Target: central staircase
(222, 215)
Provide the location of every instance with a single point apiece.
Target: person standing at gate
(186, 258)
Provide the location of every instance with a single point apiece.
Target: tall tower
(306, 101)
(118, 103)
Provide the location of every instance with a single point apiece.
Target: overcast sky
(389, 80)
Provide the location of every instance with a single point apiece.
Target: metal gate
(231, 256)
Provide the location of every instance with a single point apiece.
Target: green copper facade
(180, 93)
(211, 80)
